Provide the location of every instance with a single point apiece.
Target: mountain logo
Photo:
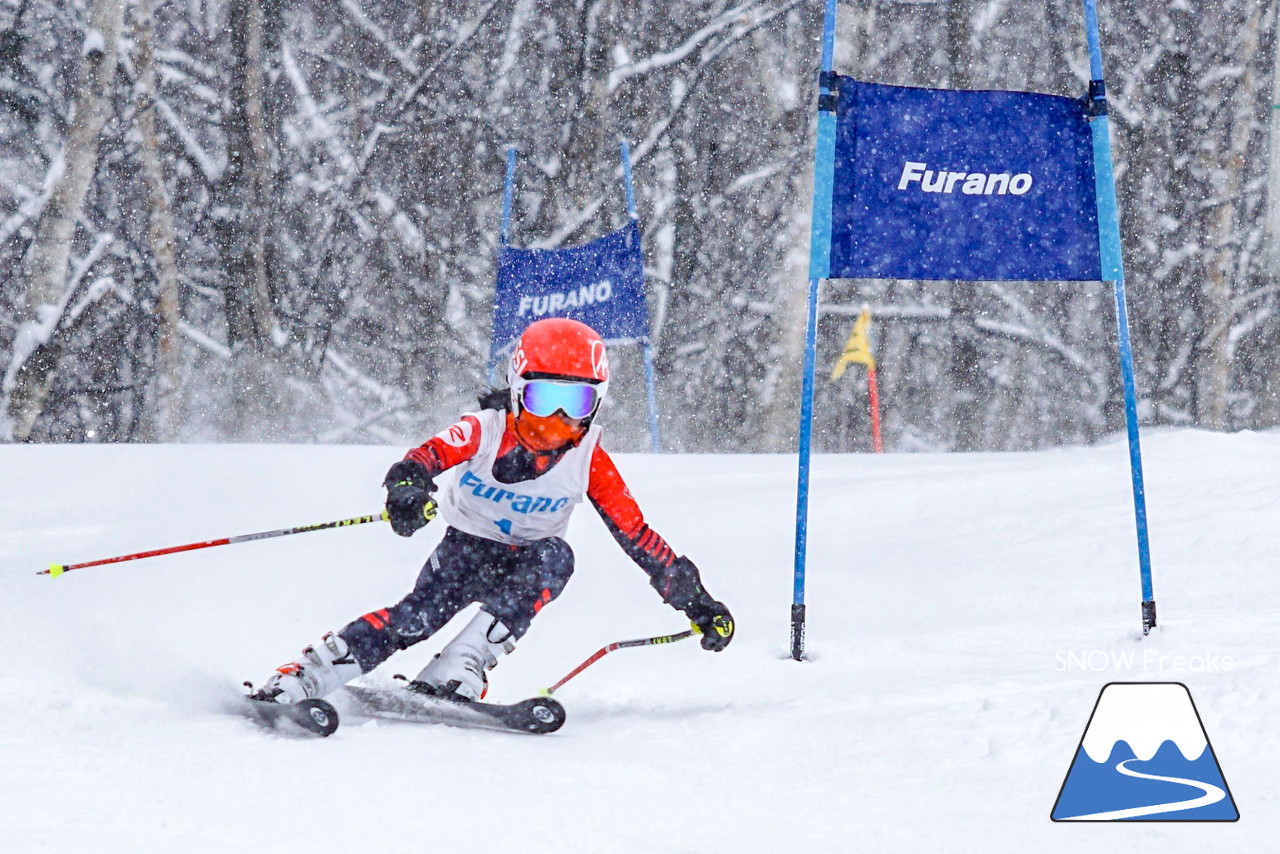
(1145, 756)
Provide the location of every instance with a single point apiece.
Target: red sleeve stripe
(621, 513)
(456, 444)
(607, 490)
(656, 546)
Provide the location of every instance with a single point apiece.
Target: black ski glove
(681, 588)
(409, 487)
(713, 621)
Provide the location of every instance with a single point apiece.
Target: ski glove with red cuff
(681, 588)
(409, 487)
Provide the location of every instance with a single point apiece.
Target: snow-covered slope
(964, 612)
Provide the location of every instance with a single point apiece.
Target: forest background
(252, 220)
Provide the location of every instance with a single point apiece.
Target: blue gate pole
(819, 269)
(1113, 271)
(651, 388)
(508, 193)
(626, 180)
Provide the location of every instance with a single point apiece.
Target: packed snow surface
(964, 613)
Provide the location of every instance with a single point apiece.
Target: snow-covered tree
(288, 219)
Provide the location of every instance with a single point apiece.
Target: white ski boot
(460, 670)
(323, 669)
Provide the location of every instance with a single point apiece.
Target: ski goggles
(546, 397)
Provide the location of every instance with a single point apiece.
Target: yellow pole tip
(56, 569)
(545, 692)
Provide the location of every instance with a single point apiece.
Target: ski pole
(56, 569)
(603, 651)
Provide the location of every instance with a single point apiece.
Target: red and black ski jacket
(675, 578)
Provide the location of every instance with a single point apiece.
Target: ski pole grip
(429, 511)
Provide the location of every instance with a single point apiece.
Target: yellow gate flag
(857, 350)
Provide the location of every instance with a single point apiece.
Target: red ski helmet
(558, 348)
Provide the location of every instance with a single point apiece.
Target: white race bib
(519, 513)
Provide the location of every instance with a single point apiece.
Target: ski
(309, 717)
(537, 715)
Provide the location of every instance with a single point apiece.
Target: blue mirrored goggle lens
(543, 398)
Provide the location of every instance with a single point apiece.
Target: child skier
(524, 461)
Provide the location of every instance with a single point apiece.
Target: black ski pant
(512, 583)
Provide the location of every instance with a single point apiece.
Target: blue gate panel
(973, 185)
(600, 284)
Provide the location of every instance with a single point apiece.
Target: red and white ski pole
(603, 651)
(56, 569)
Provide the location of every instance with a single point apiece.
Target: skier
(524, 461)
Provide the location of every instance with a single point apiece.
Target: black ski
(536, 715)
(310, 717)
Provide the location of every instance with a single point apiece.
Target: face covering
(546, 433)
